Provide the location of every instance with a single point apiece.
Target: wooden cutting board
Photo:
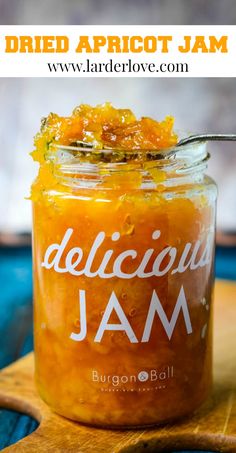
(212, 428)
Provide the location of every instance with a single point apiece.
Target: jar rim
(187, 155)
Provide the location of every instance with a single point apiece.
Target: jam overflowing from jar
(123, 270)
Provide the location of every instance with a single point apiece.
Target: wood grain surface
(213, 427)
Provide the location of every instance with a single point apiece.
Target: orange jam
(123, 245)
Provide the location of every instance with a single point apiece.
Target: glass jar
(123, 252)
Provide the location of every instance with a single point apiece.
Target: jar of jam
(123, 246)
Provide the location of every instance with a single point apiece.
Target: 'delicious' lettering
(194, 256)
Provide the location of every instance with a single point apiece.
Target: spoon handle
(206, 138)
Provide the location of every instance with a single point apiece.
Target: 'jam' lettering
(155, 308)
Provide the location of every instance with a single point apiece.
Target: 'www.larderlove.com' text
(118, 67)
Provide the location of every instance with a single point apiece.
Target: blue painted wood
(14, 426)
(15, 304)
(16, 337)
(226, 263)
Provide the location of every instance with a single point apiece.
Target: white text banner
(117, 51)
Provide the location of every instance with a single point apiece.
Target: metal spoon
(184, 141)
(84, 147)
(206, 138)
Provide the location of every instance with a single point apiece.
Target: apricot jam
(123, 246)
